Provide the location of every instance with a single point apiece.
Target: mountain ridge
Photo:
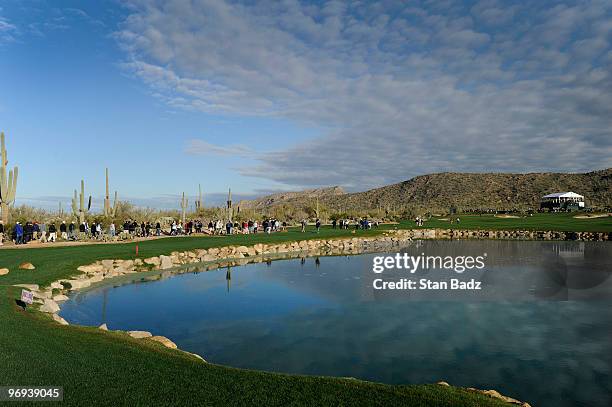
(490, 190)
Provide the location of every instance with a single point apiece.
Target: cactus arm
(75, 211)
(13, 185)
(3, 184)
(88, 204)
(114, 210)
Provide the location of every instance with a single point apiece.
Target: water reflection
(539, 330)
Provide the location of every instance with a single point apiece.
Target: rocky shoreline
(50, 297)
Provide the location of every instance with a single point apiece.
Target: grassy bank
(96, 367)
(561, 222)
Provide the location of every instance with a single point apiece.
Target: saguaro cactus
(183, 207)
(199, 204)
(109, 211)
(8, 182)
(80, 210)
(230, 211)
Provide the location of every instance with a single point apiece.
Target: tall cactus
(183, 208)
(230, 210)
(199, 203)
(109, 211)
(80, 210)
(8, 182)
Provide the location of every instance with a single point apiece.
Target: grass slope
(108, 368)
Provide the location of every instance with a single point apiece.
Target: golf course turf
(110, 368)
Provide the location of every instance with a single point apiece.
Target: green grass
(562, 222)
(109, 368)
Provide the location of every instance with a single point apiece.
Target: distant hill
(463, 190)
(294, 197)
(485, 190)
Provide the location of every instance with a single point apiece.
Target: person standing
(52, 232)
(228, 227)
(111, 229)
(303, 225)
(158, 229)
(318, 225)
(18, 233)
(1, 233)
(71, 228)
(63, 233)
(36, 231)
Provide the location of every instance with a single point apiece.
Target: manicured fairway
(96, 367)
(562, 222)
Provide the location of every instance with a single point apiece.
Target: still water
(539, 330)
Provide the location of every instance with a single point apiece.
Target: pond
(539, 329)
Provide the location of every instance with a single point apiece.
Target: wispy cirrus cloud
(201, 147)
(7, 30)
(397, 89)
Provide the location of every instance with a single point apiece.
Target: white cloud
(400, 90)
(7, 30)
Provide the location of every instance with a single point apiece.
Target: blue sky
(268, 95)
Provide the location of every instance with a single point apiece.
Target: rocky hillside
(293, 198)
(463, 190)
(486, 190)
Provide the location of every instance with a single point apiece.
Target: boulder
(164, 341)
(4, 271)
(96, 278)
(60, 298)
(57, 285)
(197, 356)
(26, 266)
(165, 262)
(139, 334)
(49, 306)
(78, 284)
(59, 319)
(103, 327)
(208, 257)
(91, 268)
(442, 383)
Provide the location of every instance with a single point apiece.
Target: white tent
(564, 195)
(562, 199)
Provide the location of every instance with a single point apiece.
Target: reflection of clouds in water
(535, 351)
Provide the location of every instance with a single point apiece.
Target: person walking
(112, 230)
(158, 229)
(18, 233)
(43, 232)
(1, 233)
(63, 232)
(303, 225)
(318, 225)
